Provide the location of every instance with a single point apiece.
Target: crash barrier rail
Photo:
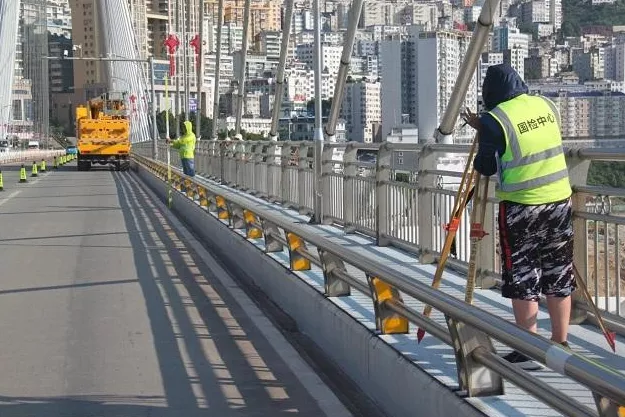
(402, 195)
(28, 156)
(469, 329)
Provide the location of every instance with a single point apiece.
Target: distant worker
(521, 143)
(186, 148)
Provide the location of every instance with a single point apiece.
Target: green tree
(578, 14)
(607, 174)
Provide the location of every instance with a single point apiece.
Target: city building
(362, 110)
(590, 114)
(438, 60)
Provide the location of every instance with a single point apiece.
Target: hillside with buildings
(572, 51)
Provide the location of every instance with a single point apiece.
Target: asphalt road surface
(108, 311)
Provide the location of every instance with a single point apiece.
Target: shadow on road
(213, 360)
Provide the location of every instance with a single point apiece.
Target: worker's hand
(471, 119)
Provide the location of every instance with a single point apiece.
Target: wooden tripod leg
(610, 336)
(477, 234)
(466, 183)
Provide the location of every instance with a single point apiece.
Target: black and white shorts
(536, 245)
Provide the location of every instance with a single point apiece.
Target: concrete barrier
(396, 384)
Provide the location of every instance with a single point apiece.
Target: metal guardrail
(469, 329)
(402, 195)
(24, 156)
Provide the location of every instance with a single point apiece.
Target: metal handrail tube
(599, 190)
(435, 329)
(600, 379)
(358, 285)
(534, 386)
(616, 220)
(598, 154)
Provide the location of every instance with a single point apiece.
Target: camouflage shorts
(536, 250)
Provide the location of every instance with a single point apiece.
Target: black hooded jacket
(502, 83)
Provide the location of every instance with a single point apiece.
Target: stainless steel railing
(469, 329)
(402, 195)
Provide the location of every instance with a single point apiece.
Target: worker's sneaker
(523, 361)
(565, 345)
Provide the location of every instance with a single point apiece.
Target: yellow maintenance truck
(103, 132)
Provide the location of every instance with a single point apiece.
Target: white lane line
(326, 399)
(10, 196)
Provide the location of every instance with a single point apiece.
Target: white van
(33, 144)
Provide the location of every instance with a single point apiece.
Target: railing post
(334, 286)
(273, 180)
(327, 164)
(578, 174)
(487, 253)
(285, 180)
(425, 215)
(473, 377)
(270, 234)
(350, 170)
(302, 177)
(382, 183)
(248, 173)
(237, 219)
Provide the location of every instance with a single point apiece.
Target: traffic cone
(23, 174)
(1, 181)
(34, 172)
(43, 165)
(56, 163)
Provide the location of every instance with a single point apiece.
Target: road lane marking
(10, 196)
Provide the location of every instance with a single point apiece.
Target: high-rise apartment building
(397, 95)
(87, 40)
(264, 15)
(362, 110)
(418, 75)
(590, 114)
(438, 60)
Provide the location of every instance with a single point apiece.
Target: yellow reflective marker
(392, 324)
(222, 208)
(298, 262)
(253, 232)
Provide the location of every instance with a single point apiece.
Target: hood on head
(502, 83)
(187, 127)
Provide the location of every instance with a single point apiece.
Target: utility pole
(200, 75)
(241, 89)
(220, 23)
(178, 72)
(318, 136)
(186, 27)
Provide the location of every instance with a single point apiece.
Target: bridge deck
(109, 310)
(433, 355)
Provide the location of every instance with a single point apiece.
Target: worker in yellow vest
(186, 148)
(520, 142)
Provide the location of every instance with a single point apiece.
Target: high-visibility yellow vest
(533, 168)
